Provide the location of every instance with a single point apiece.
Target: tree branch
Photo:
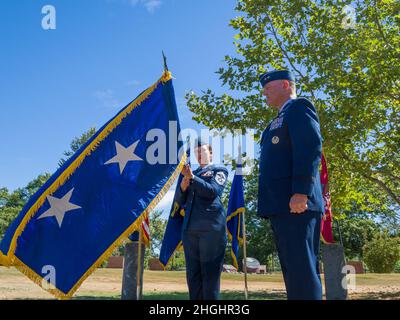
(284, 52)
(369, 177)
(379, 26)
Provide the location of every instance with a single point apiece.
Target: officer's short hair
(206, 144)
(200, 142)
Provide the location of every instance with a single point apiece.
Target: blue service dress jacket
(204, 210)
(291, 148)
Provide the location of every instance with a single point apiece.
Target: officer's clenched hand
(298, 203)
(187, 171)
(185, 183)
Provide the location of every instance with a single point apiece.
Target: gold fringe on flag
(11, 259)
(240, 239)
(78, 161)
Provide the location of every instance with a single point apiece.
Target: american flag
(146, 229)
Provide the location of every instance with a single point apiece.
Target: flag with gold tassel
(172, 239)
(99, 196)
(234, 220)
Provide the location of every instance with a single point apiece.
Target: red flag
(326, 223)
(146, 230)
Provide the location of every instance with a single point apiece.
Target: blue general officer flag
(234, 219)
(172, 240)
(98, 197)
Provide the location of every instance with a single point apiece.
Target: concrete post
(333, 260)
(129, 278)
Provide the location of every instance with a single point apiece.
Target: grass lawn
(167, 285)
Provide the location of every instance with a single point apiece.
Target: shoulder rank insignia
(277, 123)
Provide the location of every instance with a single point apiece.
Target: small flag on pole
(326, 223)
(145, 232)
(234, 220)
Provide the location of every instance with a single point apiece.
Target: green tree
(7, 215)
(3, 196)
(12, 203)
(356, 230)
(178, 261)
(350, 71)
(157, 227)
(76, 144)
(382, 253)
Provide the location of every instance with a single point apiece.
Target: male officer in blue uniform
(204, 226)
(289, 185)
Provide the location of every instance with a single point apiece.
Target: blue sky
(55, 84)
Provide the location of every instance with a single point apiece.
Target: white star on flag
(124, 155)
(58, 207)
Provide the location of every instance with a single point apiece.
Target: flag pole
(139, 267)
(165, 61)
(246, 291)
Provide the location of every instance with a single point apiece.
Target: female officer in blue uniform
(204, 226)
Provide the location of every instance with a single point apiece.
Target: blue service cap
(276, 75)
